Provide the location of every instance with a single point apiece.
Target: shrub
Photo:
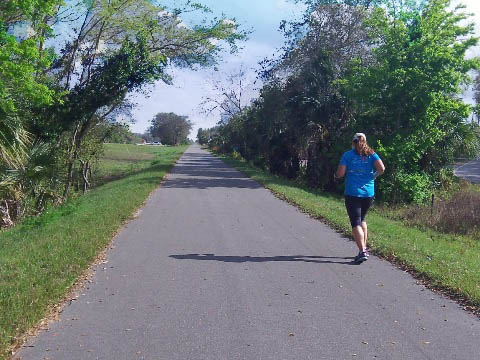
(236, 155)
(460, 214)
(400, 186)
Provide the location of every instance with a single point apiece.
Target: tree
(131, 67)
(202, 136)
(22, 62)
(476, 96)
(67, 104)
(394, 71)
(25, 170)
(229, 96)
(408, 98)
(119, 46)
(170, 128)
(121, 134)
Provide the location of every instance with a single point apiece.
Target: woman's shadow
(243, 259)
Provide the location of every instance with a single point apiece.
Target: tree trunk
(85, 173)
(71, 160)
(6, 220)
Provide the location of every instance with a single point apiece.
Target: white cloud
(285, 5)
(190, 88)
(228, 22)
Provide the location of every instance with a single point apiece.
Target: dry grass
(458, 214)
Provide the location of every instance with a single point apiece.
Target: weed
(458, 214)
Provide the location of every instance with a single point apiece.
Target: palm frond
(14, 140)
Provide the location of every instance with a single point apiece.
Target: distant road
(216, 268)
(469, 171)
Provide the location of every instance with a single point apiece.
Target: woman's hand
(379, 167)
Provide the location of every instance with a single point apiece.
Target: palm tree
(13, 156)
(13, 142)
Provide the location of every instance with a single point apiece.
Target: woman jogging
(361, 166)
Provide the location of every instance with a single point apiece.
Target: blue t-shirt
(360, 169)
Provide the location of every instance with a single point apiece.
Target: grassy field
(121, 160)
(447, 262)
(41, 259)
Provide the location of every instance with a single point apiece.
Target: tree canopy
(170, 128)
(394, 70)
(61, 95)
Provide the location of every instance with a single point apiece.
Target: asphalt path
(216, 267)
(469, 171)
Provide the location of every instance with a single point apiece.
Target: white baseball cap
(357, 136)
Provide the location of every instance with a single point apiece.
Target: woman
(362, 166)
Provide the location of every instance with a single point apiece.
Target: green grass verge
(42, 258)
(119, 160)
(448, 262)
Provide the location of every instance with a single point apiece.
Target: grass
(121, 160)
(458, 213)
(448, 262)
(41, 259)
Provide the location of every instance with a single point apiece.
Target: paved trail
(215, 267)
(469, 171)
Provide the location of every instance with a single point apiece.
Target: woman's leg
(365, 233)
(366, 203)
(359, 237)
(354, 210)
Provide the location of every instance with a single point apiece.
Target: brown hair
(362, 148)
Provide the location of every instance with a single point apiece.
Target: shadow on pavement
(198, 171)
(243, 259)
(219, 182)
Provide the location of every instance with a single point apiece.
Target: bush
(236, 155)
(399, 186)
(460, 214)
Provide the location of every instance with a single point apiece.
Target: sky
(190, 88)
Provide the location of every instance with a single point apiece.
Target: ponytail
(362, 148)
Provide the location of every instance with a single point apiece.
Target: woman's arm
(340, 171)
(379, 168)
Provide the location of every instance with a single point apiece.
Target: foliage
(42, 258)
(121, 134)
(422, 62)
(229, 95)
(170, 128)
(22, 85)
(72, 101)
(394, 72)
(457, 213)
(28, 186)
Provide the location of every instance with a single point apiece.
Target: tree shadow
(203, 172)
(100, 181)
(260, 259)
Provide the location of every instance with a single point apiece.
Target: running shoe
(361, 257)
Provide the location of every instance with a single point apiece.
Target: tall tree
(476, 95)
(393, 71)
(229, 95)
(22, 62)
(99, 45)
(408, 99)
(170, 128)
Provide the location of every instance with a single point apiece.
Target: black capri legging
(357, 208)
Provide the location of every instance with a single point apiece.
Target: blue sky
(263, 17)
(190, 87)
